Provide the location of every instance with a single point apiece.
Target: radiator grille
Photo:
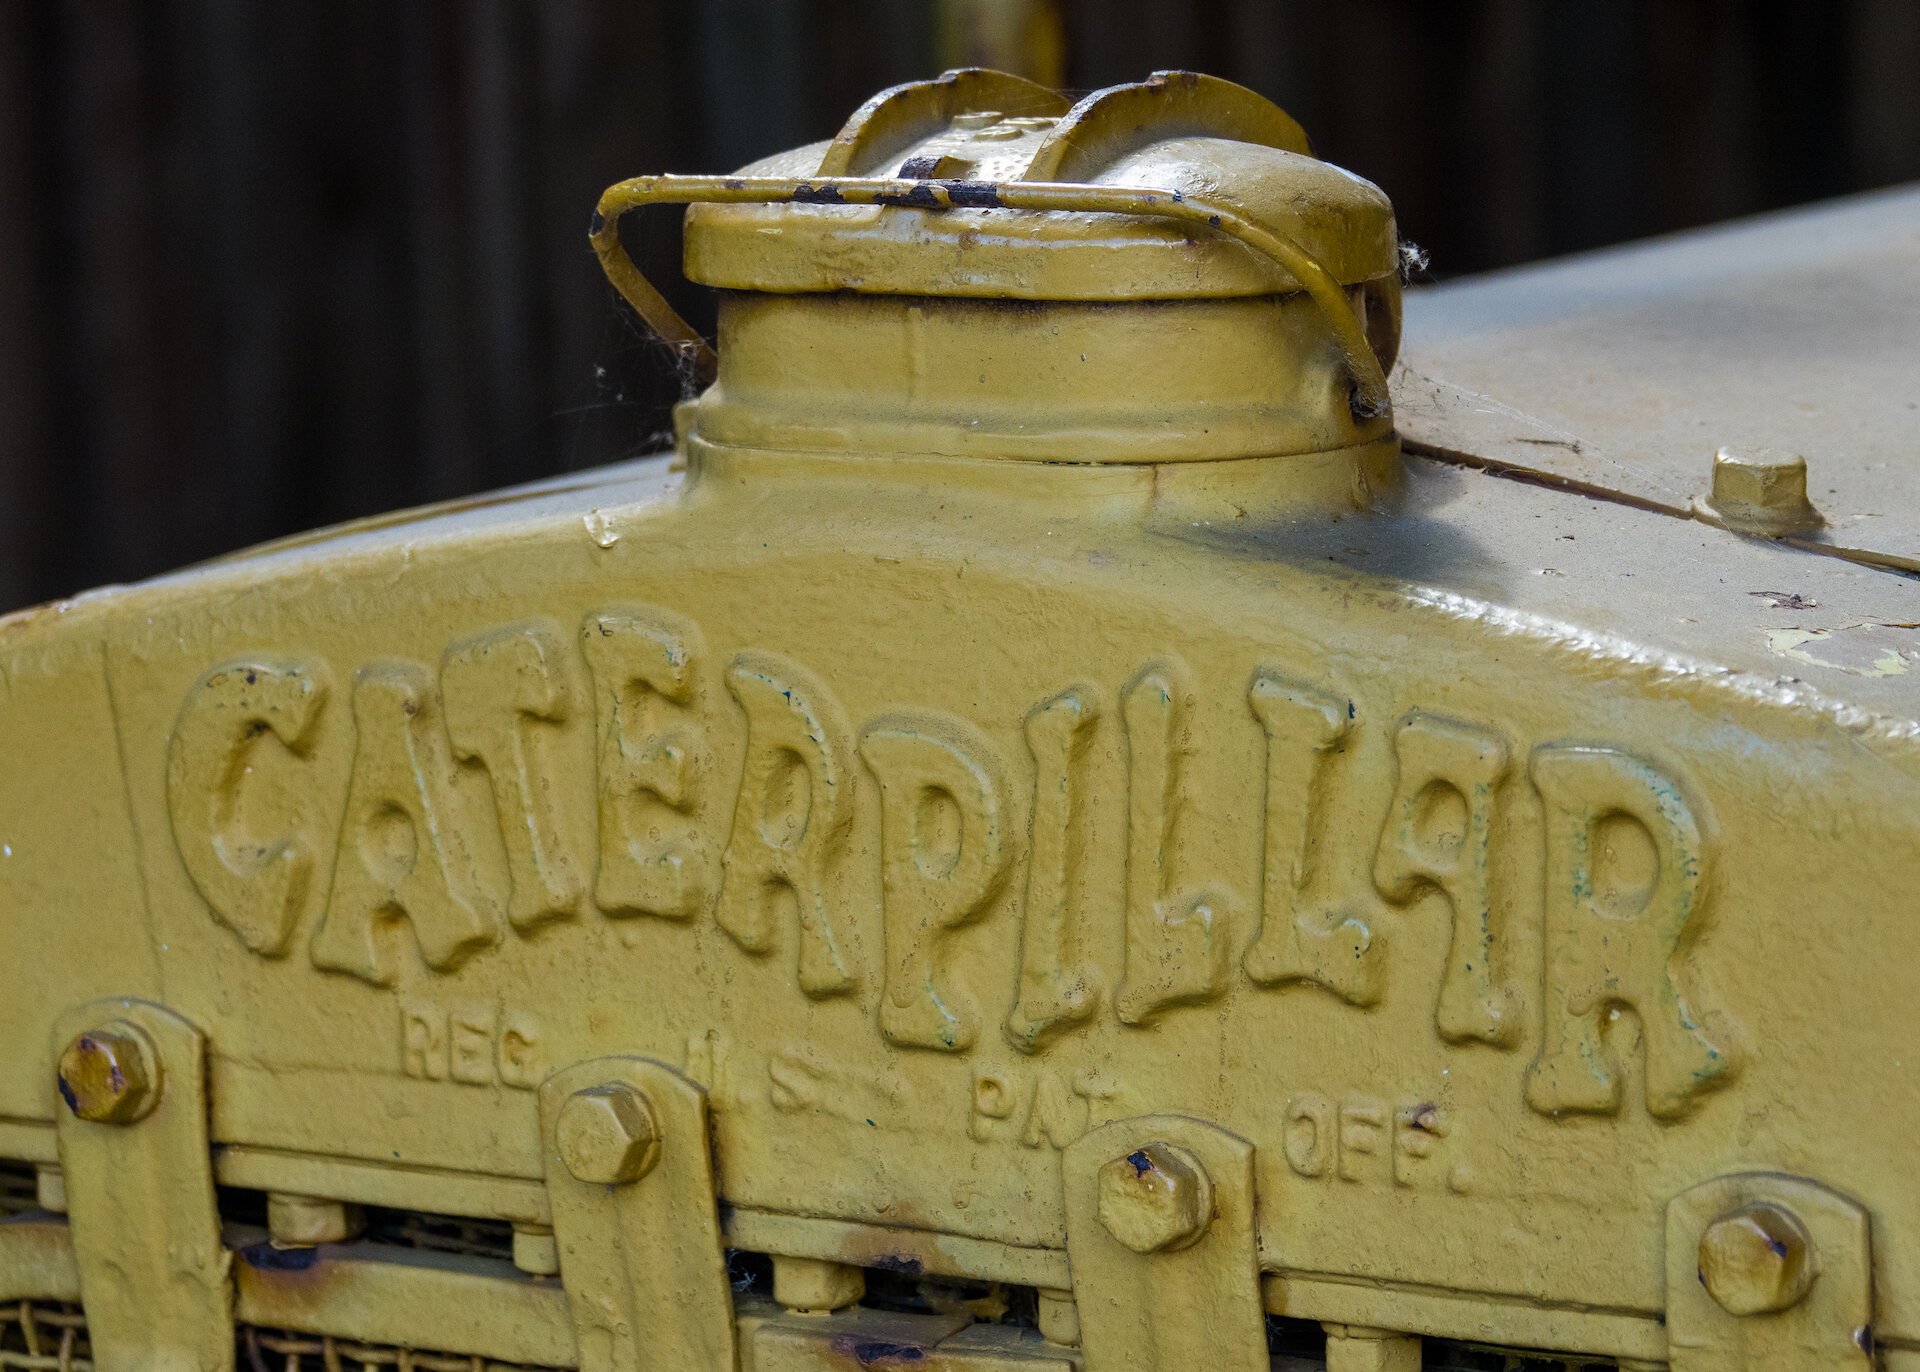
(44, 1338)
(36, 1336)
(17, 1190)
(264, 1350)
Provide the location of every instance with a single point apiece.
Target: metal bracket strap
(1768, 1273)
(630, 1179)
(1160, 1234)
(132, 1133)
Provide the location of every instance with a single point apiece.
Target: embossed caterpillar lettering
(660, 834)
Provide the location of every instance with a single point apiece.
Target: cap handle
(1369, 382)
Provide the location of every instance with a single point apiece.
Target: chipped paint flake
(1846, 650)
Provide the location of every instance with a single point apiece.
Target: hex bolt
(1762, 491)
(1361, 1348)
(813, 1286)
(535, 1250)
(1059, 1317)
(110, 1075)
(1756, 1260)
(50, 1188)
(607, 1134)
(1156, 1199)
(295, 1221)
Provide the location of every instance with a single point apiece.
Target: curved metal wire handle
(1369, 382)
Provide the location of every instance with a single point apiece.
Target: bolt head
(110, 1075)
(1756, 1260)
(1156, 1199)
(309, 1221)
(1762, 488)
(607, 1134)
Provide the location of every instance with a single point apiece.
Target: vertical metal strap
(140, 1197)
(1792, 1293)
(630, 1180)
(1160, 1235)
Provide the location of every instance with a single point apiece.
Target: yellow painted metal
(1178, 132)
(140, 1199)
(383, 1294)
(1801, 1296)
(1011, 724)
(876, 374)
(1306, 272)
(901, 117)
(36, 1259)
(1161, 1234)
(630, 1175)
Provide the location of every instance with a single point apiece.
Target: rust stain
(264, 1257)
(877, 1352)
(1425, 1117)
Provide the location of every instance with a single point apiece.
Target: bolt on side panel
(933, 828)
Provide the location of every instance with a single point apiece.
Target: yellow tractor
(1088, 815)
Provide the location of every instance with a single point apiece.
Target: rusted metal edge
(1369, 382)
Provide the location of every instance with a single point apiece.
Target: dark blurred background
(265, 266)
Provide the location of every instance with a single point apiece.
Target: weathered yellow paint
(1036, 709)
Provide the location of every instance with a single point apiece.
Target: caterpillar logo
(628, 773)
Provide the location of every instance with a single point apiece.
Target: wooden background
(265, 266)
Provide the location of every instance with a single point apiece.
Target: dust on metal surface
(1623, 371)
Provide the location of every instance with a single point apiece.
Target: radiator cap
(1175, 131)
